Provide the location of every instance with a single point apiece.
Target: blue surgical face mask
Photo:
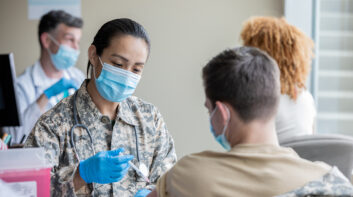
(221, 139)
(66, 56)
(116, 84)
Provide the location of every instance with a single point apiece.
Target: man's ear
(223, 109)
(45, 40)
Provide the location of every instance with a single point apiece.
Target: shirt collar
(39, 76)
(87, 108)
(127, 112)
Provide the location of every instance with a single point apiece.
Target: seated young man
(242, 92)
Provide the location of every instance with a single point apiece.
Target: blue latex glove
(142, 193)
(59, 87)
(105, 167)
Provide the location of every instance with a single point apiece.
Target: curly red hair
(289, 46)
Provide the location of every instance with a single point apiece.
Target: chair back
(335, 150)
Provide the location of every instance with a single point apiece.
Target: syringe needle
(139, 172)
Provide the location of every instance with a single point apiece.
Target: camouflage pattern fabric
(155, 144)
(331, 184)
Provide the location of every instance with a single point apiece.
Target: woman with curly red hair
(293, 51)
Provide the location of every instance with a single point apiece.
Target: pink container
(27, 169)
(40, 176)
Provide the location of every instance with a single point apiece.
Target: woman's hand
(105, 167)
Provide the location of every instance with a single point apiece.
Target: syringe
(139, 172)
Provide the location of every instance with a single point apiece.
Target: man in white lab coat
(53, 76)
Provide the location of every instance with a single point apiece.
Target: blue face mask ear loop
(55, 42)
(228, 120)
(53, 39)
(100, 60)
(94, 70)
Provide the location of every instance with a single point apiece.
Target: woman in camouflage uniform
(121, 127)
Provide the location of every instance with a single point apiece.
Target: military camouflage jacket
(334, 183)
(155, 144)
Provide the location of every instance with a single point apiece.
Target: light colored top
(135, 117)
(29, 86)
(246, 170)
(295, 118)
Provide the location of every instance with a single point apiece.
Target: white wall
(185, 34)
(300, 14)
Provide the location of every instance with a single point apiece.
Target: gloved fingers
(73, 85)
(84, 171)
(120, 167)
(142, 192)
(105, 180)
(62, 81)
(119, 175)
(122, 159)
(116, 152)
(68, 83)
(122, 172)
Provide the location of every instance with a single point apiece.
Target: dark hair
(117, 27)
(246, 78)
(52, 19)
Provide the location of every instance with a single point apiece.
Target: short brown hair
(290, 47)
(52, 19)
(245, 77)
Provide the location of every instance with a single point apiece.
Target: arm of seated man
(160, 189)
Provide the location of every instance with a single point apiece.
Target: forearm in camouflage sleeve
(61, 177)
(165, 156)
(162, 162)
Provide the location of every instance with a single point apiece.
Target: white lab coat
(29, 86)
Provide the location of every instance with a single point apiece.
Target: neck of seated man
(258, 131)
